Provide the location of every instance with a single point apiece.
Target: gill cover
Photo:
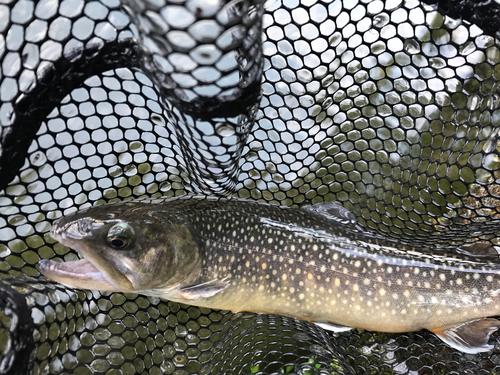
(126, 248)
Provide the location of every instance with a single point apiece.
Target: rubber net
(390, 108)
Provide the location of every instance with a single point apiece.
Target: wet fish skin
(315, 264)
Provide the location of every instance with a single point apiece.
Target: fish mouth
(81, 274)
(93, 272)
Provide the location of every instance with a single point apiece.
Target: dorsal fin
(335, 212)
(469, 337)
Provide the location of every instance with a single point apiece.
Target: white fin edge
(333, 327)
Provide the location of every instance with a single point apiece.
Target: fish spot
(337, 281)
(264, 266)
(355, 287)
(310, 276)
(382, 292)
(442, 277)
(283, 276)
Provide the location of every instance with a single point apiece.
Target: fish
(313, 263)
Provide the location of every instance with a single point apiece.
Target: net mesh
(390, 108)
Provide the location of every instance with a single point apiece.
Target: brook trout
(313, 263)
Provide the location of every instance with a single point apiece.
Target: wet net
(391, 108)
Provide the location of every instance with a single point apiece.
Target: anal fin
(204, 290)
(333, 327)
(470, 337)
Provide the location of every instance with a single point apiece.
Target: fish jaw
(94, 272)
(81, 274)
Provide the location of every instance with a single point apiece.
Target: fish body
(312, 263)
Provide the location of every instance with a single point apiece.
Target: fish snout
(74, 229)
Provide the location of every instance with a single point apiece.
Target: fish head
(125, 248)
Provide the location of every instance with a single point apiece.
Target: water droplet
(130, 170)
(467, 48)
(411, 46)
(225, 130)
(135, 146)
(269, 3)
(494, 101)
(380, 20)
(335, 39)
(473, 102)
(14, 220)
(484, 41)
(491, 162)
(452, 23)
(251, 156)
(21, 199)
(157, 119)
(327, 81)
(115, 171)
(165, 186)
(437, 62)
(38, 158)
(327, 103)
(271, 168)
(277, 177)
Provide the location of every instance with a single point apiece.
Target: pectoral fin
(479, 248)
(333, 327)
(335, 212)
(469, 337)
(204, 290)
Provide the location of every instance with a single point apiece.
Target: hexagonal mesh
(390, 108)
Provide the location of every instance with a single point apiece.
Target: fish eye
(120, 236)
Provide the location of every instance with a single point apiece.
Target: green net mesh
(391, 108)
